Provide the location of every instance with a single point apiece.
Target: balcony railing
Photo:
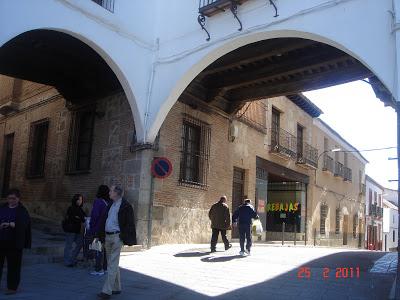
(338, 170)
(347, 172)
(211, 7)
(207, 8)
(328, 163)
(283, 142)
(308, 156)
(107, 4)
(376, 211)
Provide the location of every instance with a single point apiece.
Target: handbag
(95, 245)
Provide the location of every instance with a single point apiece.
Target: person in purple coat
(99, 209)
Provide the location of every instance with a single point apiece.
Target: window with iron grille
(37, 149)
(337, 223)
(195, 152)
(80, 141)
(324, 214)
(355, 223)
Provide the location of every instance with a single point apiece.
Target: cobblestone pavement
(191, 272)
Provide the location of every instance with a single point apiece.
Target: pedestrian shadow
(213, 259)
(192, 254)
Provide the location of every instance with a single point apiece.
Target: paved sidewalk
(191, 272)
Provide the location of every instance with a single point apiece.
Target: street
(191, 272)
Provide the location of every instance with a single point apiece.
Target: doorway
(345, 228)
(237, 194)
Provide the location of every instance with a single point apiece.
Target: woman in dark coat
(73, 229)
(15, 235)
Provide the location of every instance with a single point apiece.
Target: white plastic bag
(257, 227)
(95, 245)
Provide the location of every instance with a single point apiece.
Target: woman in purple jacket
(99, 209)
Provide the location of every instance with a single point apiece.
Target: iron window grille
(107, 4)
(37, 149)
(195, 152)
(80, 141)
(324, 214)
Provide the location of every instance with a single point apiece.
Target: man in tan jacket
(220, 222)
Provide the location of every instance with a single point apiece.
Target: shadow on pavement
(78, 284)
(192, 254)
(213, 259)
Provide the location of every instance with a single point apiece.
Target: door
(237, 194)
(345, 228)
(8, 150)
(360, 233)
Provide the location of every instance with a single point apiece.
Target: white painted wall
(154, 76)
(390, 225)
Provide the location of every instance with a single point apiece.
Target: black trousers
(245, 234)
(214, 238)
(14, 259)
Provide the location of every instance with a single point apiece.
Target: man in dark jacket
(220, 222)
(245, 213)
(118, 228)
(15, 235)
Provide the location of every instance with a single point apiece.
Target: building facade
(390, 226)
(274, 151)
(374, 214)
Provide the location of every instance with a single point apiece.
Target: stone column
(142, 194)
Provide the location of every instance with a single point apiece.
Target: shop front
(281, 201)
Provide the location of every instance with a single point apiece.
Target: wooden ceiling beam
(297, 85)
(253, 53)
(276, 70)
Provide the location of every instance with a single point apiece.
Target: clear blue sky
(358, 116)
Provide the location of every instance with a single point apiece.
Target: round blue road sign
(161, 167)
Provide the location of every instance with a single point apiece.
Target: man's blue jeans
(245, 233)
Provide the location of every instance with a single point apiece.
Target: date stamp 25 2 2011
(337, 273)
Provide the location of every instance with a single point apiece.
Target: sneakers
(95, 273)
(241, 253)
(229, 247)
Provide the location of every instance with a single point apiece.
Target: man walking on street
(244, 213)
(118, 227)
(220, 222)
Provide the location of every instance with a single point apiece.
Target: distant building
(374, 214)
(390, 226)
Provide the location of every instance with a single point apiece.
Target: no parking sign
(161, 167)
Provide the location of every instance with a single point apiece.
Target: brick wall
(111, 160)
